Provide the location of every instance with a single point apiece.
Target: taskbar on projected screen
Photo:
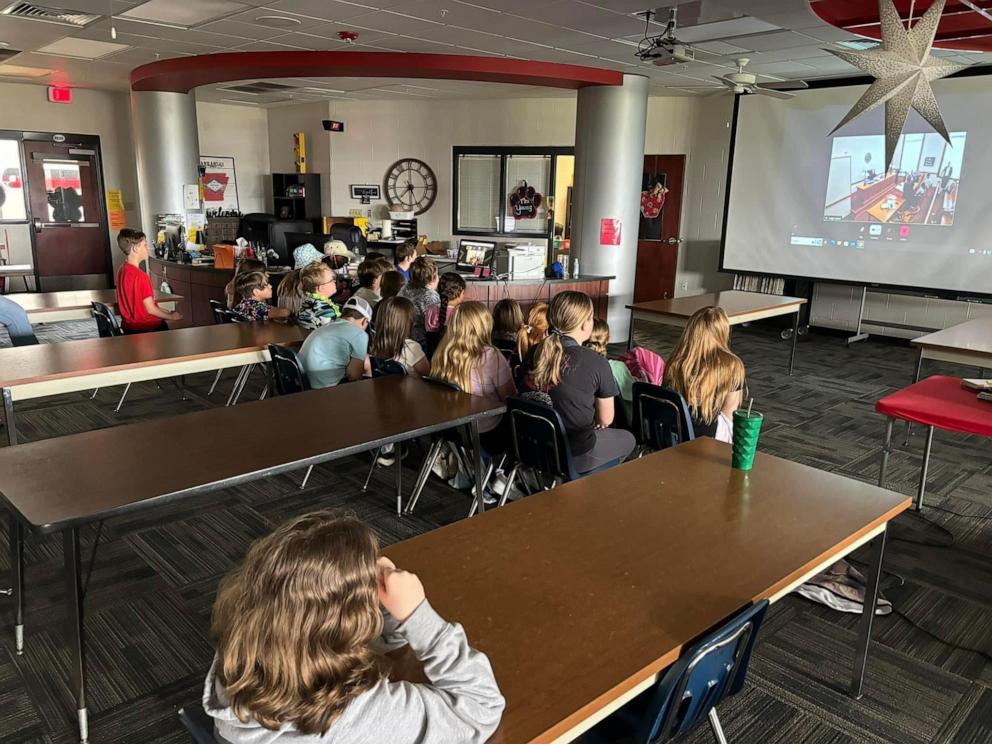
(898, 241)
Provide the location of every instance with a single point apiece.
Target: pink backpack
(644, 365)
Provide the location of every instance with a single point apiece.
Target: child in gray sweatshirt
(297, 628)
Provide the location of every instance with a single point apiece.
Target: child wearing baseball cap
(339, 351)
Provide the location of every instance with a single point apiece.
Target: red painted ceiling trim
(182, 74)
(960, 26)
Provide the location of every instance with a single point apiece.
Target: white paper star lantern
(903, 70)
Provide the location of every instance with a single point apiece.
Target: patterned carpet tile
(155, 573)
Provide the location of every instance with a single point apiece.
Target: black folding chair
(541, 444)
(199, 725)
(288, 378)
(108, 326)
(661, 417)
(460, 446)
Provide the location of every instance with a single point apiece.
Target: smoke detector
(348, 37)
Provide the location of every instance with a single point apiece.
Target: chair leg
(425, 472)
(368, 478)
(95, 391)
(717, 728)
(265, 392)
(216, 380)
(239, 383)
(306, 478)
(123, 396)
(509, 484)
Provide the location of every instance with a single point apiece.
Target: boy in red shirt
(135, 297)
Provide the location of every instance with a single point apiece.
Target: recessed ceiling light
(19, 71)
(81, 48)
(169, 12)
(277, 21)
(4, 44)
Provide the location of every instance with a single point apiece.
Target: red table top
(940, 401)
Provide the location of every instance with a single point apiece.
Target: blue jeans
(13, 316)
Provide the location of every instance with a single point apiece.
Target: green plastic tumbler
(746, 429)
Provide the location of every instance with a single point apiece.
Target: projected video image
(921, 188)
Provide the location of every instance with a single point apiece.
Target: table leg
(916, 379)
(885, 451)
(795, 338)
(868, 614)
(399, 479)
(479, 477)
(923, 472)
(17, 580)
(74, 627)
(8, 417)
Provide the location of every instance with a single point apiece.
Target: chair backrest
(277, 238)
(386, 367)
(351, 235)
(441, 383)
(539, 440)
(254, 227)
(710, 670)
(106, 321)
(288, 375)
(432, 339)
(621, 420)
(198, 723)
(661, 417)
(221, 313)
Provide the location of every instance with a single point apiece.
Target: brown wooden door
(70, 232)
(658, 227)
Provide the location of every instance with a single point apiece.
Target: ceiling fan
(741, 82)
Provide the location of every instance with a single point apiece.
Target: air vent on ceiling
(256, 88)
(859, 44)
(6, 54)
(61, 16)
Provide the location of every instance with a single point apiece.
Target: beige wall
(378, 133)
(283, 122)
(241, 132)
(103, 113)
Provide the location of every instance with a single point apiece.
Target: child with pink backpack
(637, 365)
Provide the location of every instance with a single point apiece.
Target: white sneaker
(498, 482)
(387, 456)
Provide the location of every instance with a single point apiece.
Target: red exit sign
(58, 94)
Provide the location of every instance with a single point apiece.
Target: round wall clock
(411, 185)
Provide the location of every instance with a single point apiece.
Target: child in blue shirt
(340, 349)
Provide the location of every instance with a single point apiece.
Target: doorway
(68, 217)
(658, 227)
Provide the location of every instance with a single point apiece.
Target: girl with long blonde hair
(707, 373)
(297, 627)
(535, 331)
(467, 357)
(580, 384)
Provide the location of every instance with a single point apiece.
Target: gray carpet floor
(148, 604)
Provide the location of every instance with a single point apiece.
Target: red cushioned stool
(938, 402)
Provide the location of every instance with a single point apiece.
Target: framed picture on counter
(220, 183)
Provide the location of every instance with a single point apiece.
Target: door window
(65, 191)
(12, 201)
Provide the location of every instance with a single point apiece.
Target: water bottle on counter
(575, 268)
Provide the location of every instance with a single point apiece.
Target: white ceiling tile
(384, 20)
(329, 10)
(183, 14)
(776, 40)
(720, 47)
(413, 44)
(725, 29)
(781, 68)
(240, 29)
(582, 16)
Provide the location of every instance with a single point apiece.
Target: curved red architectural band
(961, 26)
(183, 74)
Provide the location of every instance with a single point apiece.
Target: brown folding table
(583, 595)
(50, 307)
(98, 476)
(740, 307)
(51, 369)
